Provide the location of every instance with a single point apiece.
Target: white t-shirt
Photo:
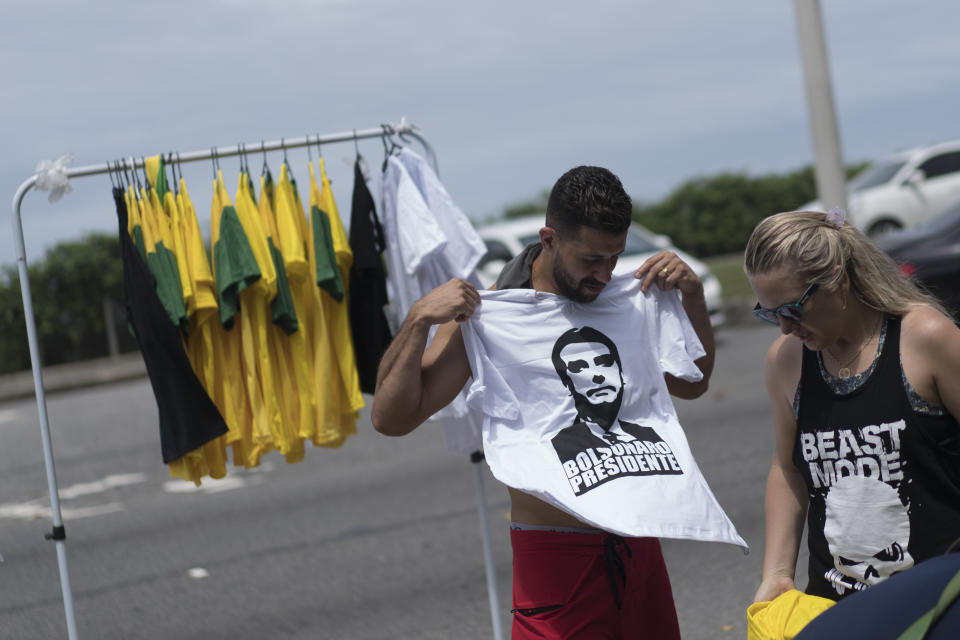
(413, 241)
(464, 247)
(428, 240)
(531, 351)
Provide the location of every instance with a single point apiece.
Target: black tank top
(883, 480)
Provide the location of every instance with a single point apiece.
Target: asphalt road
(379, 539)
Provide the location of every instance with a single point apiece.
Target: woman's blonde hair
(806, 243)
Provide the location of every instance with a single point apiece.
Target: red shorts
(562, 588)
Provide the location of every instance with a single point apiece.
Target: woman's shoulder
(930, 355)
(785, 350)
(784, 358)
(926, 329)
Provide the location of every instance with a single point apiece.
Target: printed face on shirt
(588, 364)
(593, 371)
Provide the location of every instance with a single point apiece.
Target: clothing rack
(58, 534)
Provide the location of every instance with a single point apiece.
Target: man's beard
(570, 289)
(604, 414)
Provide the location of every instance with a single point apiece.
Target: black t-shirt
(883, 480)
(188, 417)
(368, 284)
(518, 274)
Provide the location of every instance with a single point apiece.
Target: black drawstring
(614, 564)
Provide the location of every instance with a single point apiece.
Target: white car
(903, 189)
(506, 239)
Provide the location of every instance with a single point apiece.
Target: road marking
(240, 479)
(210, 485)
(99, 486)
(198, 573)
(36, 510)
(40, 509)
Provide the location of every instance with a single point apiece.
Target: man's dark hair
(573, 336)
(588, 197)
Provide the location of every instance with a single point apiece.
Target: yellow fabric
(204, 303)
(133, 211)
(785, 616)
(148, 222)
(341, 326)
(291, 227)
(174, 229)
(338, 414)
(286, 352)
(274, 390)
(162, 222)
(230, 393)
(211, 459)
(259, 349)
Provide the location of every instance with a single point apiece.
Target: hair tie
(836, 216)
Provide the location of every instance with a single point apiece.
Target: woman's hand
(772, 587)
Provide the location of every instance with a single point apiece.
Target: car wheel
(883, 226)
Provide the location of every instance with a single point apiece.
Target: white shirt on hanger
(464, 247)
(429, 240)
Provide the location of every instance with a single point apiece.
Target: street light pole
(828, 159)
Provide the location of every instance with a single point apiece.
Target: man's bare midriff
(526, 509)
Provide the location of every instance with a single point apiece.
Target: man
(588, 215)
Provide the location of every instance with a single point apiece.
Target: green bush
(714, 215)
(68, 287)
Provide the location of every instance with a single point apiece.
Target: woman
(865, 387)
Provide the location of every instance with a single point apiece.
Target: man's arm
(413, 384)
(668, 271)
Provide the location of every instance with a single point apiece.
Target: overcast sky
(509, 94)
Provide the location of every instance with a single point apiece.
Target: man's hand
(455, 299)
(413, 381)
(669, 272)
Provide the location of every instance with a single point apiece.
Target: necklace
(844, 370)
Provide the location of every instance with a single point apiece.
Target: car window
(875, 175)
(636, 243)
(941, 164)
(496, 250)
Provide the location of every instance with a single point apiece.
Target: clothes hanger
(136, 176)
(113, 183)
(393, 148)
(122, 170)
(146, 178)
(179, 168)
(215, 161)
(391, 132)
(168, 162)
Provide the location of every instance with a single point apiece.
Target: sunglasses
(792, 311)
